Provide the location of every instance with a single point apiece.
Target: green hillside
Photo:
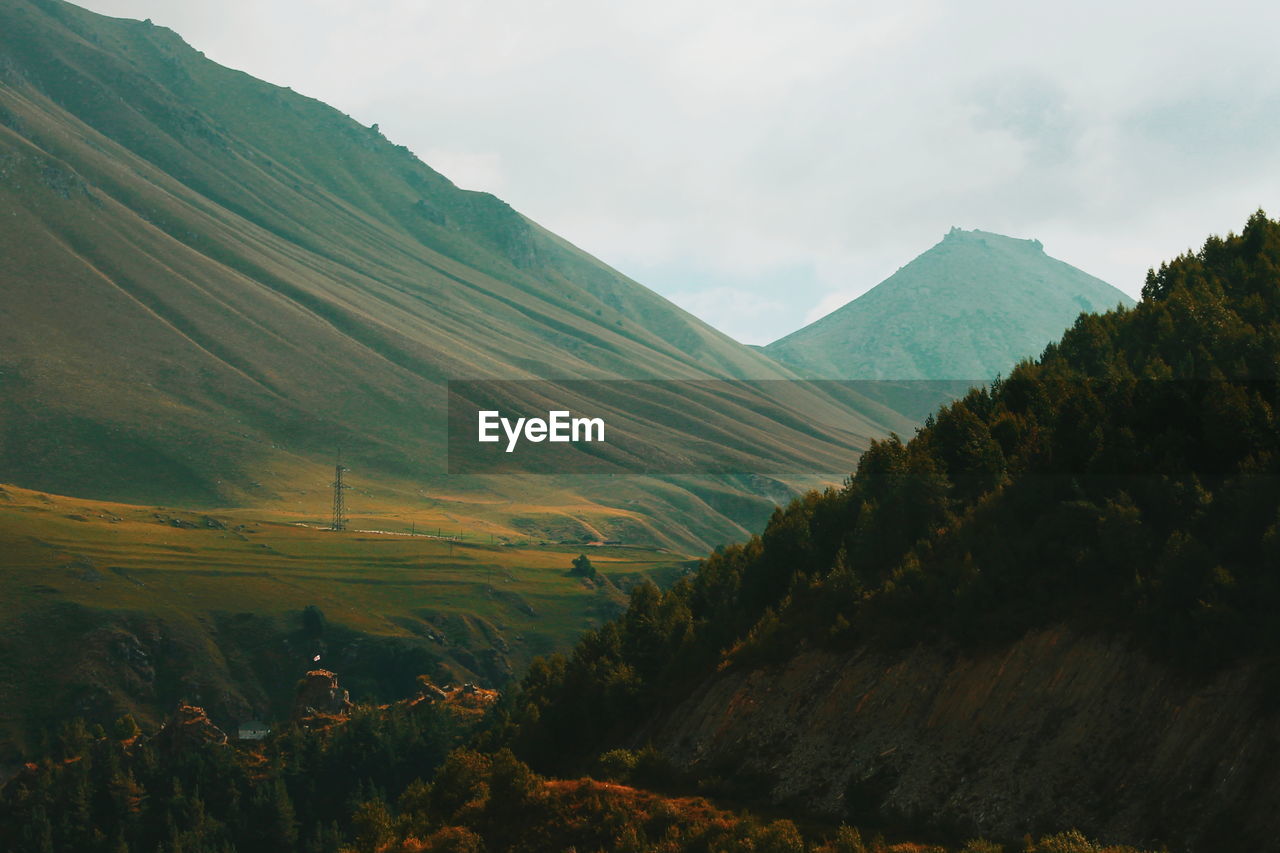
(970, 308)
(212, 283)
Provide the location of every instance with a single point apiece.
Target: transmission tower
(339, 502)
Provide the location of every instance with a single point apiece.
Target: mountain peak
(977, 236)
(970, 307)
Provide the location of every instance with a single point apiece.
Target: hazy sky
(761, 163)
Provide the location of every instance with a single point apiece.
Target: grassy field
(112, 607)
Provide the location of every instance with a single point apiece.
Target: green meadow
(112, 608)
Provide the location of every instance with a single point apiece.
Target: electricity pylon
(339, 502)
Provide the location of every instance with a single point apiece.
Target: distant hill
(969, 308)
(212, 282)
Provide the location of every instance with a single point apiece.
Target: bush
(617, 765)
(848, 840)
(582, 567)
(781, 836)
(978, 845)
(653, 769)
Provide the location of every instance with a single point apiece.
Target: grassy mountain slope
(969, 308)
(211, 283)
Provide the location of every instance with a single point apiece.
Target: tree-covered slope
(1127, 482)
(381, 781)
(969, 308)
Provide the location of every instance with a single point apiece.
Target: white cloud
(740, 313)
(467, 169)
(722, 144)
(830, 301)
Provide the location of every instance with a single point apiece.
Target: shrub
(617, 765)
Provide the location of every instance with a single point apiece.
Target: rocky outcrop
(1061, 729)
(468, 703)
(319, 694)
(430, 691)
(188, 727)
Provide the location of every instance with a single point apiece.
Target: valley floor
(113, 607)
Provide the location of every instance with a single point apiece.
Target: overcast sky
(761, 163)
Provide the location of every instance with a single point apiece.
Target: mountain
(971, 307)
(1047, 619)
(1052, 608)
(212, 284)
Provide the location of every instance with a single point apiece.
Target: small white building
(254, 730)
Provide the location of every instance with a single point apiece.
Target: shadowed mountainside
(1058, 729)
